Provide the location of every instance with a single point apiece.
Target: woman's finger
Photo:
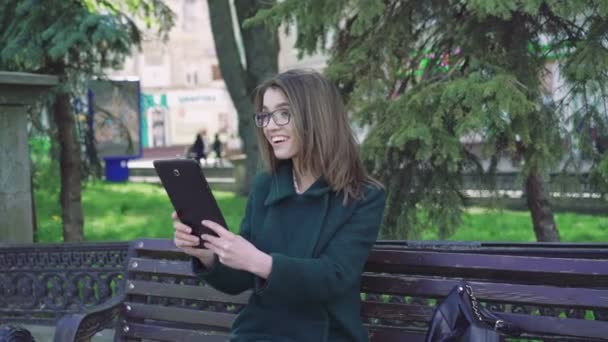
(212, 239)
(184, 243)
(186, 237)
(174, 216)
(181, 227)
(214, 249)
(191, 251)
(218, 229)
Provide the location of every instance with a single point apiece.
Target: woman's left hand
(236, 252)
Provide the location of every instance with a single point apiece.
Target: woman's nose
(271, 124)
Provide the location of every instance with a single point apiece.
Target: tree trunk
(540, 209)
(93, 164)
(70, 166)
(261, 47)
(261, 51)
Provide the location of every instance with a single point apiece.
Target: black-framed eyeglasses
(280, 117)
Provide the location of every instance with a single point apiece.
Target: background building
(183, 90)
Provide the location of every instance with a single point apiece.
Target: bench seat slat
(161, 267)
(162, 333)
(497, 292)
(207, 293)
(180, 315)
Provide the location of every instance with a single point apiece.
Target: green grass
(124, 212)
(129, 211)
(480, 224)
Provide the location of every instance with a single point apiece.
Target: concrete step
(218, 184)
(45, 333)
(209, 172)
(220, 178)
(143, 167)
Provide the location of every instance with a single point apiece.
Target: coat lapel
(317, 200)
(318, 212)
(281, 184)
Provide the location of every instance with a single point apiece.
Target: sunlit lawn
(130, 210)
(125, 212)
(480, 224)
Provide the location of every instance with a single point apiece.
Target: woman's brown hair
(328, 145)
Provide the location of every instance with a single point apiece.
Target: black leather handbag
(460, 318)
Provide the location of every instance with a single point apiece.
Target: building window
(190, 15)
(215, 72)
(195, 78)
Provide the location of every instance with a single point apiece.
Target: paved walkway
(45, 334)
(147, 163)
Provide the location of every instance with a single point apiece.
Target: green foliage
(45, 168)
(73, 38)
(424, 75)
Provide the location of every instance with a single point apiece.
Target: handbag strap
(496, 324)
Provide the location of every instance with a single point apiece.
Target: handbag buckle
(499, 324)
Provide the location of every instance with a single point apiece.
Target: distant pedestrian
(198, 148)
(217, 148)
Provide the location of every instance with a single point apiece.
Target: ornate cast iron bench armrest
(81, 327)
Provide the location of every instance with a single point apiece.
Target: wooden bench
(562, 294)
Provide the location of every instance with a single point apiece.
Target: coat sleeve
(337, 269)
(224, 278)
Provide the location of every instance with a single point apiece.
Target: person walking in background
(311, 219)
(217, 148)
(198, 148)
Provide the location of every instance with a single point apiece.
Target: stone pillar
(15, 193)
(18, 90)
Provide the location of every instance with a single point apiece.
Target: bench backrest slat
(495, 292)
(396, 311)
(170, 333)
(389, 334)
(195, 292)
(549, 271)
(555, 325)
(180, 315)
(160, 266)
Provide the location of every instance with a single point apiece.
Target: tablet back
(189, 193)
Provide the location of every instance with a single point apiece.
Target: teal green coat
(318, 247)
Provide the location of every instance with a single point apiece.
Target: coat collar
(281, 185)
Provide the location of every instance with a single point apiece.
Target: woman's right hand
(187, 242)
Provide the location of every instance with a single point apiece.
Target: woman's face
(281, 138)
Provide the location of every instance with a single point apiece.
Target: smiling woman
(315, 125)
(310, 221)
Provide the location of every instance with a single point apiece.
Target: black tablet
(190, 194)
